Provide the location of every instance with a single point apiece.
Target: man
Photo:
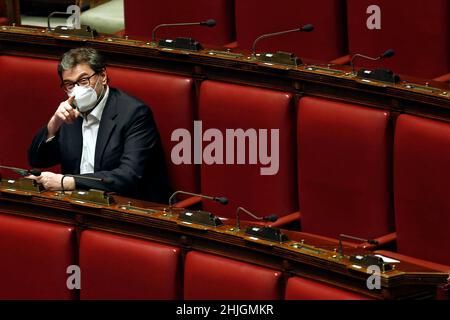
(100, 132)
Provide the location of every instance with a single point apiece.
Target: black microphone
(37, 173)
(271, 218)
(104, 180)
(59, 13)
(221, 200)
(23, 172)
(387, 54)
(206, 23)
(306, 28)
(341, 248)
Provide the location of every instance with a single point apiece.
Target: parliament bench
(44, 260)
(337, 158)
(141, 18)
(418, 33)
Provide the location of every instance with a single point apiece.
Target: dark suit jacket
(128, 151)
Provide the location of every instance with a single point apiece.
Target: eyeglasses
(83, 82)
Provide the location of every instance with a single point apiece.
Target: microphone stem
(189, 194)
(271, 35)
(238, 221)
(363, 56)
(171, 25)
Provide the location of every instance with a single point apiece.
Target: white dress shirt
(91, 124)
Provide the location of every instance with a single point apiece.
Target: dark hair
(78, 56)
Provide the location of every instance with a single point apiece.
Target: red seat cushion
(419, 35)
(171, 100)
(35, 256)
(141, 17)
(304, 289)
(344, 169)
(117, 267)
(230, 107)
(422, 188)
(327, 16)
(25, 111)
(210, 277)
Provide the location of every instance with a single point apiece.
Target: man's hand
(52, 181)
(64, 114)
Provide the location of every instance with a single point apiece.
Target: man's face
(83, 73)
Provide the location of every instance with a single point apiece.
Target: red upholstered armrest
(443, 78)
(285, 220)
(381, 242)
(342, 60)
(188, 202)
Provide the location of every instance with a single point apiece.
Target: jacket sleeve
(141, 137)
(42, 154)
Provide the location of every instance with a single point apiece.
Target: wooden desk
(302, 255)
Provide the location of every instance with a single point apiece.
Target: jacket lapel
(76, 145)
(107, 126)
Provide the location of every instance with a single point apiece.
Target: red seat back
(171, 101)
(35, 257)
(257, 17)
(227, 106)
(116, 267)
(344, 169)
(142, 16)
(209, 277)
(3, 19)
(304, 289)
(418, 32)
(25, 111)
(422, 188)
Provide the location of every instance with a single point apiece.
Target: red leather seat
(117, 267)
(35, 256)
(171, 100)
(227, 106)
(422, 188)
(25, 111)
(418, 32)
(141, 17)
(257, 17)
(209, 277)
(344, 166)
(304, 289)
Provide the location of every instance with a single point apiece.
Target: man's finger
(70, 100)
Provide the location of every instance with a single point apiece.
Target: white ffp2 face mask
(85, 97)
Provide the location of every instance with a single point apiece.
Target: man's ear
(104, 77)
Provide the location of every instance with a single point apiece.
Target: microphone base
(93, 196)
(370, 260)
(188, 44)
(26, 185)
(84, 32)
(383, 75)
(200, 217)
(283, 58)
(267, 233)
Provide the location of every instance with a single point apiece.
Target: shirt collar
(98, 110)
